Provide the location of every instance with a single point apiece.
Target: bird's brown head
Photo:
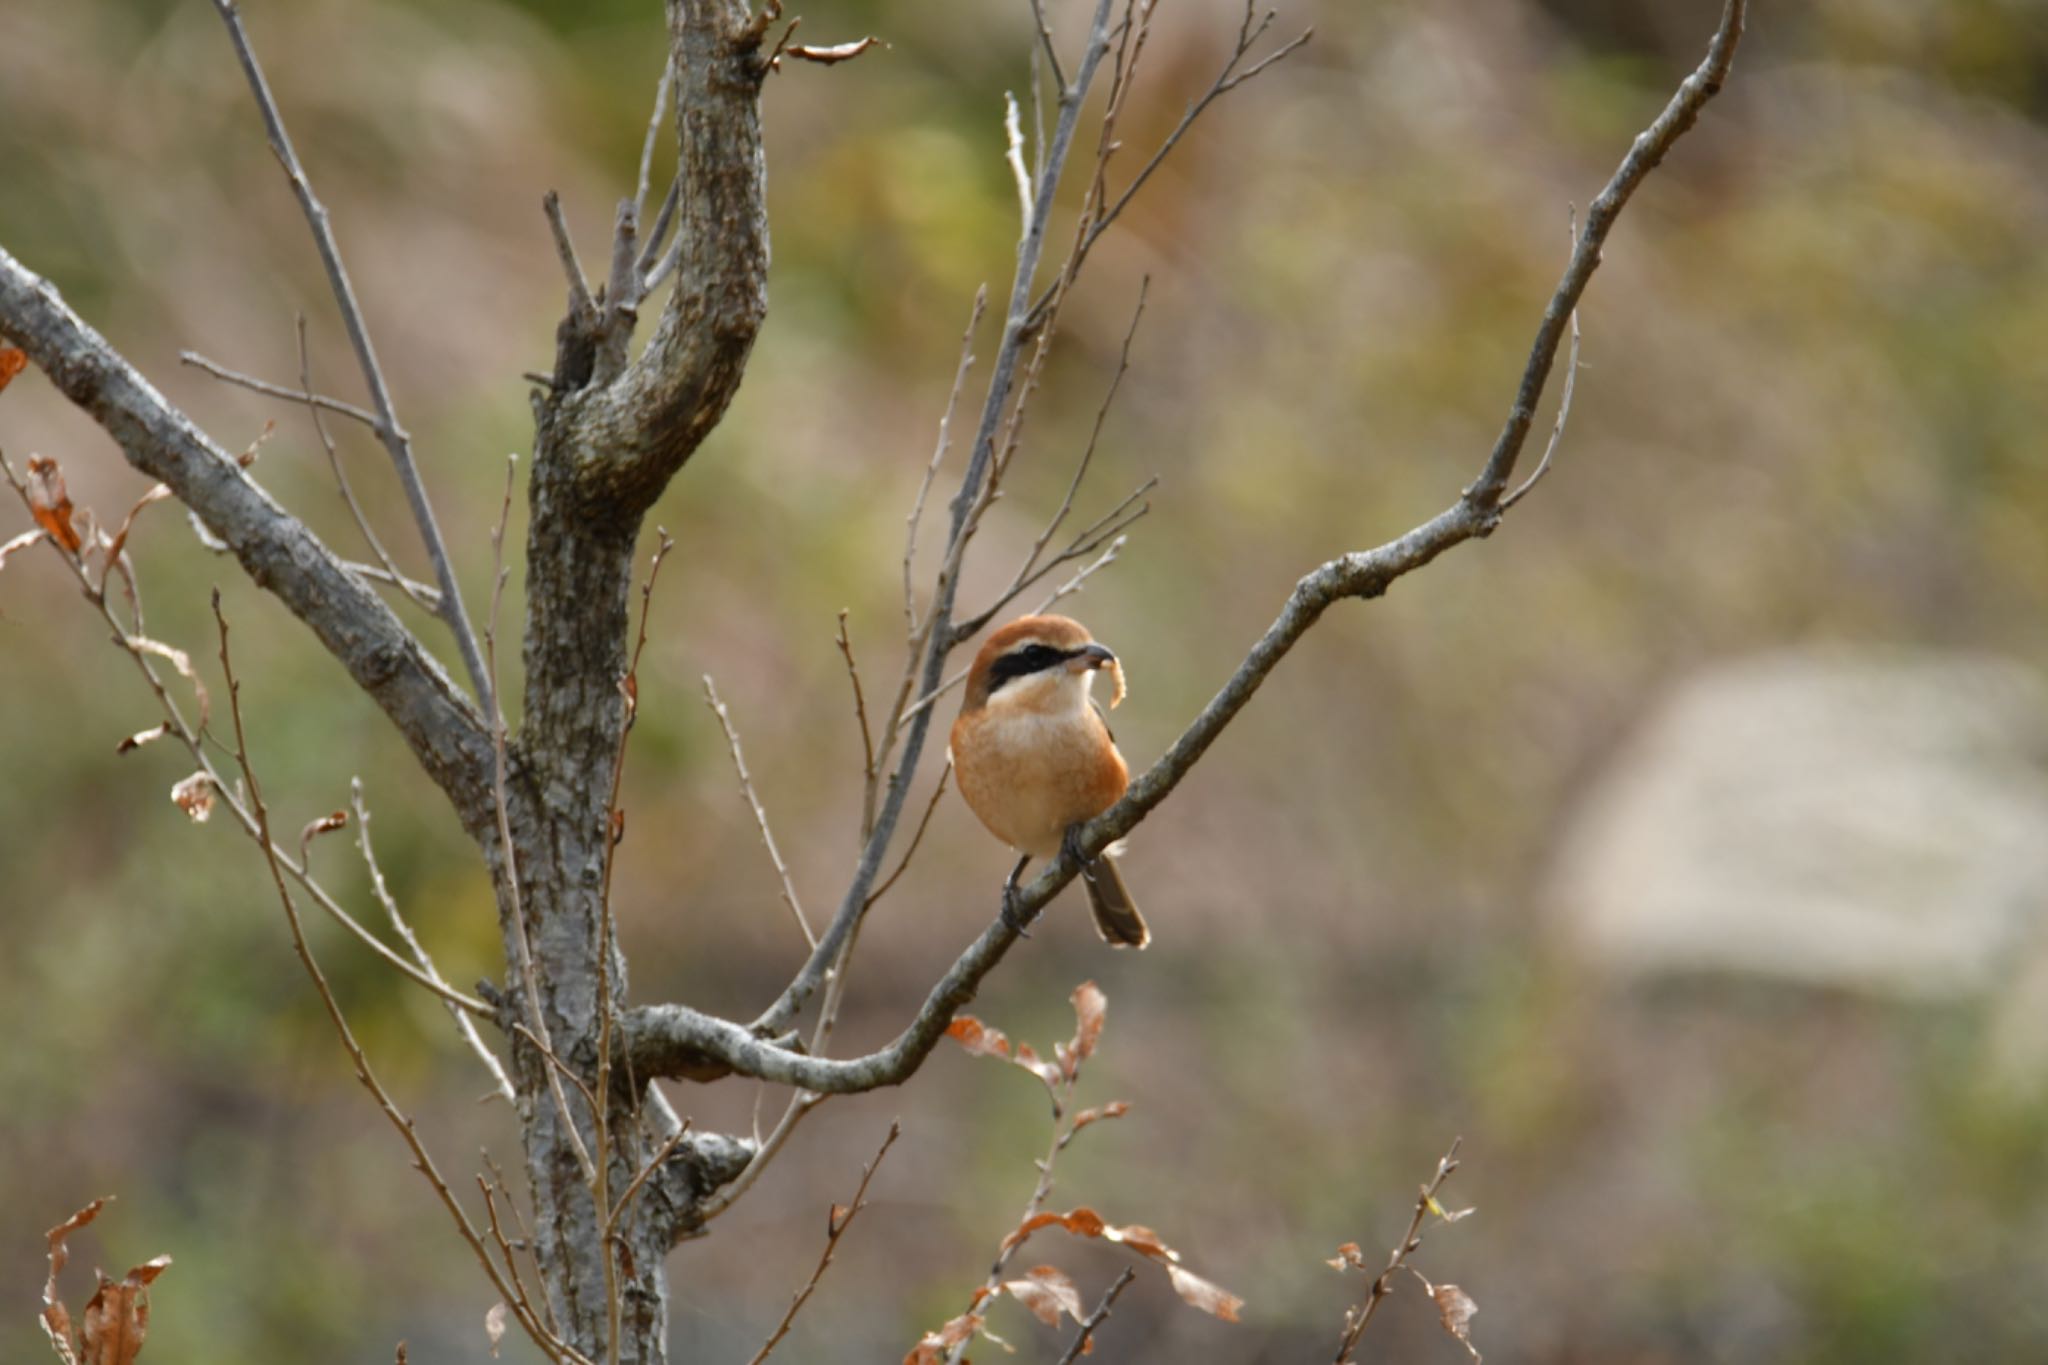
(1032, 657)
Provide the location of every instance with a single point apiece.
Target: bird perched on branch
(1035, 760)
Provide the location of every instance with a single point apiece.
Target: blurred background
(1684, 847)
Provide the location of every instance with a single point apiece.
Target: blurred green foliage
(1812, 406)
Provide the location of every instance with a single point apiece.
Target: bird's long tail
(1116, 914)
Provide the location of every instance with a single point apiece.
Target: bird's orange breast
(1029, 774)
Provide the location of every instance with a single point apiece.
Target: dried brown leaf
(12, 362)
(494, 1326)
(1348, 1257)
(1115, 1109)
(116, 1319)
(932, 1348)
(179, 660)
(1142, 1240)
(326, 824)
(1089, 1006)
(1028, 1058)
(978, 1038)
(1047, 1292)
(1455, 1310)
(119, 540)
(194, 796)
(56, 1317)
(1213, 1299)
(142, 737)
(401, 1353)
(49, 502)
(248, 456)
(837, 52)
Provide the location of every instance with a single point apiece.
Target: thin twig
(348, 492)
(739, 762)
(1564, 405)
(972, 493)
(382, 892)
(666, 1150)
(254, 385)
(860, 702)
(194, 739)
(836, 1224)
(396, 441)
(552, 1346)
(1362, 574)
(581, 305)
(1082, 1343)
(1355, 1319)
(938, 790)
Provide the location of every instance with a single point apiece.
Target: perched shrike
(1035, 760)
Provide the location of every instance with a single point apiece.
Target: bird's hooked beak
(1090, 657)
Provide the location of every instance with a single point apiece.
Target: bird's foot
(1070, 844)
(1013, 910)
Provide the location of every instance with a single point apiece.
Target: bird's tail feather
(1116, 914)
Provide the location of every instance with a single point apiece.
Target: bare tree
(615, 1180)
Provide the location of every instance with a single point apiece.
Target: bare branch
(1355, 1319)
(739, 762)
(193, 738)
(394, 437)
(581, 306)
(938, 624)
(1052, 55)
(835, 1228)
(669, 1039)
(860, 701)
(467, 1029)
(1564, 404)
(254, 385)
(348, 492)
(553, 1347)
(916, 838)
(1083, 1342)
(445, 733)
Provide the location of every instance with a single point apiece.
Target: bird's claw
(1013, 911)
(1070, 844)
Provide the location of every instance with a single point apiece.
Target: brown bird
(1035, 761)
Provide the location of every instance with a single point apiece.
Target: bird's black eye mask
(1020, 663)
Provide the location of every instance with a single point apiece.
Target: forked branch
(676, 1040)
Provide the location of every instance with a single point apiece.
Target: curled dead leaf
(931, 1349)
(116, 543)
(1047, 1292)
(50, 503)
(1115, 1109)
(326, 824)
(1348, 1257)
(180, 660)
(12, 362)
(837, 52)
(255, 447)
(1455, 1310)
(116, 1318)
(142, 737)
(978, 1038)
(1211, 1298)
(494, 1326)
(194, 796)
(1090, 1005)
